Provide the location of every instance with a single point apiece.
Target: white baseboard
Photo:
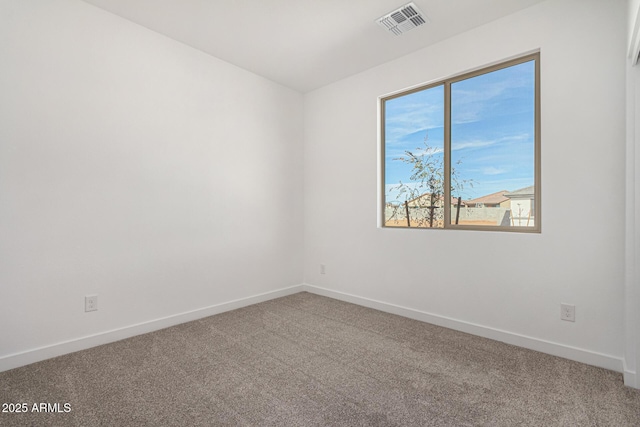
(577, 354)
(580, 355)
(47, 352)
(631, 378)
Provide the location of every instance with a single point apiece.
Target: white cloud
(493, 171)
(416, 112)
(404, 123)
(461, 145)
(472, 144)
(470, 100)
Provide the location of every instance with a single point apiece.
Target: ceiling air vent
(403, 19)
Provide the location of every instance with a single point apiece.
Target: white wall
(632, 237)
(138, 169)
(462, 278)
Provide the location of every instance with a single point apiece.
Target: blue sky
(492, 131)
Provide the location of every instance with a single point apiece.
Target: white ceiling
(305, 44)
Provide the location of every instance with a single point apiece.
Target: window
(464, 152)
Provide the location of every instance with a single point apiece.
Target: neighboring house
(522, 206)
(494, 200)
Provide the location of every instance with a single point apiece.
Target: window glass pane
(493, 148)
(414, 159)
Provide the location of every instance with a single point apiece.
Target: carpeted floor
(307, 360)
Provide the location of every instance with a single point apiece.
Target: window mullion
(447, 155)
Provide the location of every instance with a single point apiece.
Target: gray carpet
(307, 360)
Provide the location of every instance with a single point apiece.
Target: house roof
(490, 199)
(521, 193)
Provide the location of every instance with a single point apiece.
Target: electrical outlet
(568, 312)
(91, 303)
(323, 269)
